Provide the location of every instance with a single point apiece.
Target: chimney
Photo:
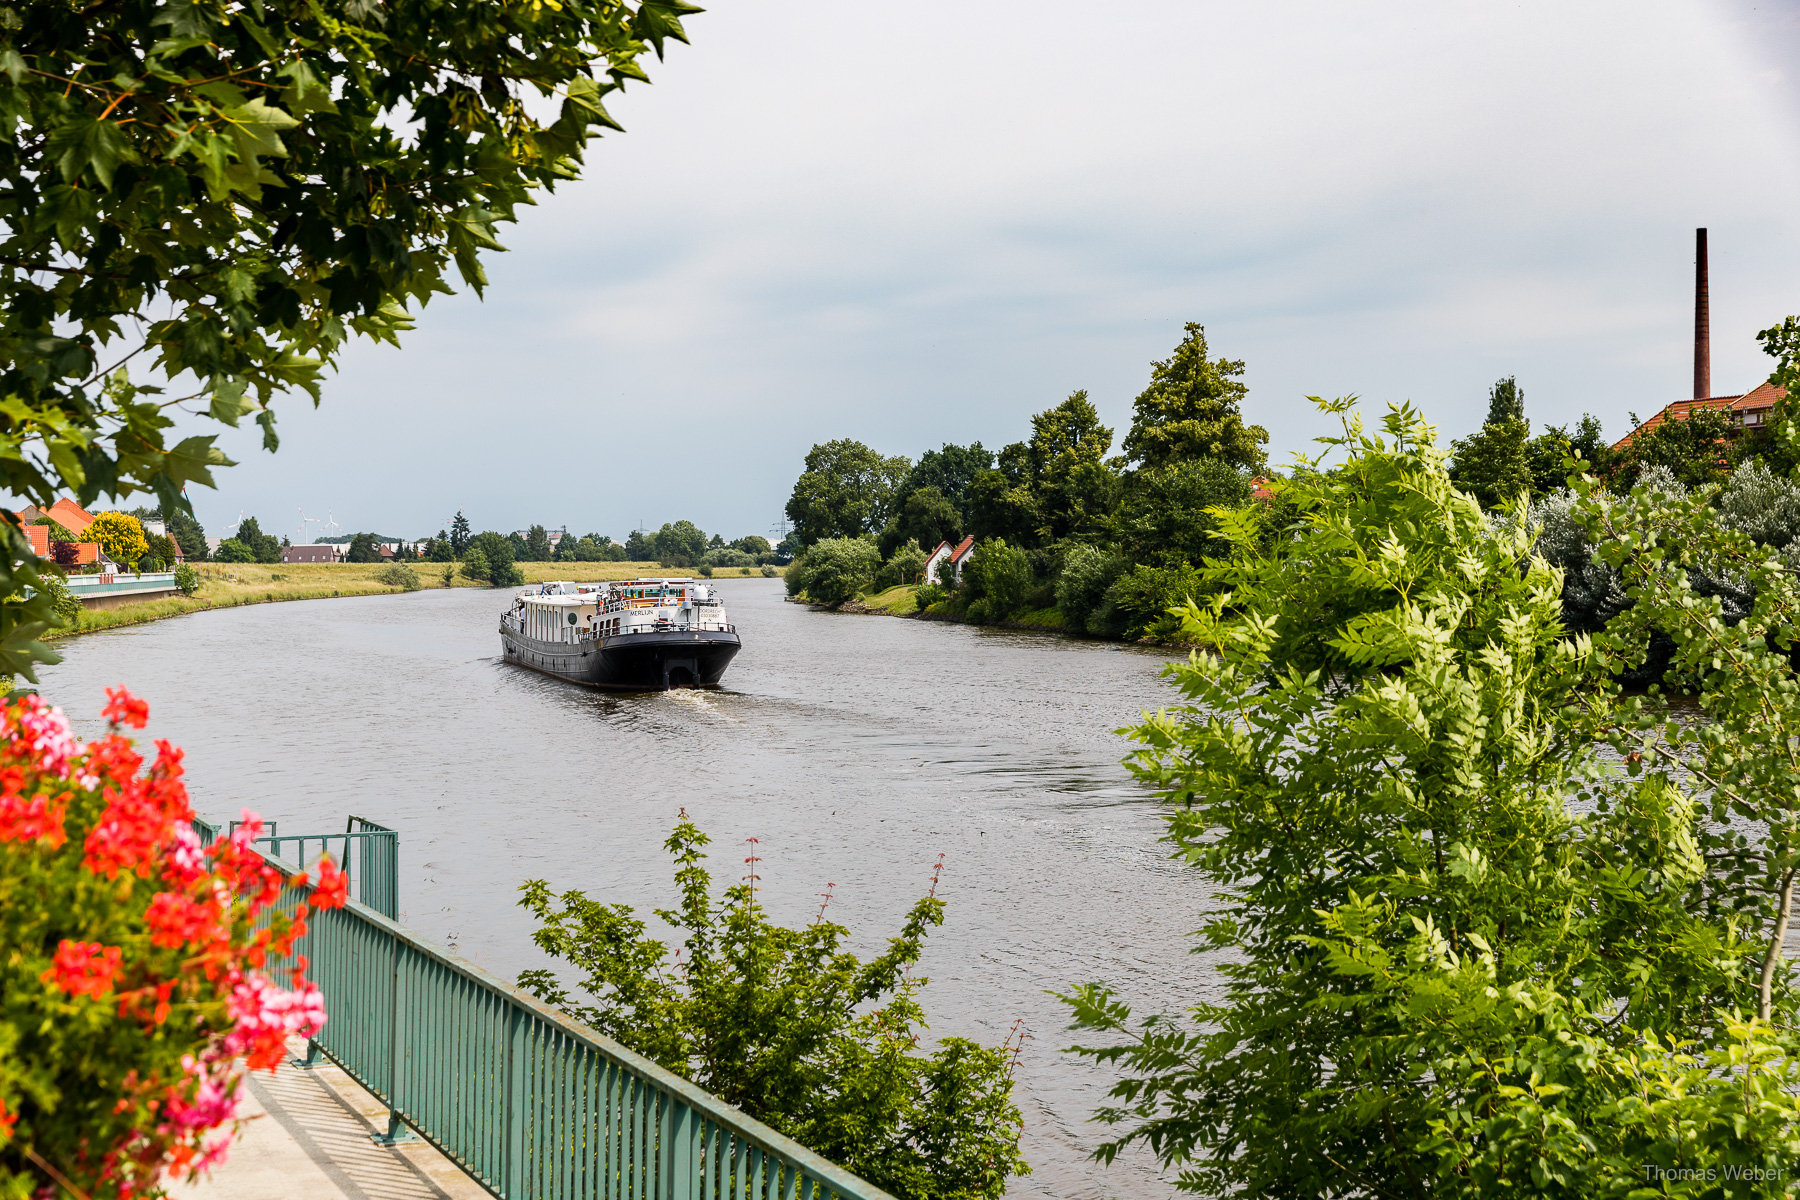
(1702, 321)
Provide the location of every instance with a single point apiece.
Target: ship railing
(527, 1101)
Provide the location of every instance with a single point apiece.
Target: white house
(956, 555)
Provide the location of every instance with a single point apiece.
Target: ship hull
(636, 662)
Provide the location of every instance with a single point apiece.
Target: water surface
(855, 748)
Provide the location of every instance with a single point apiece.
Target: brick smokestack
(1702, 321)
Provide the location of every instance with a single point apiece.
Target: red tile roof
(1757, 399)
(70, 515)
(962, 550)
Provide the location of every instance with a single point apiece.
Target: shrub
(1081, 588)
(133, 991)
(838, 569)
(120, 535)
(768, 572)
(794, 575)
(65, 604)
(1000, 575)
(399, 575)
(475, 564)
(792, 1028)
(233, 551)
(1138, 601)
(907, 565)
(930, 594)
(449, 574)
(187, 580)
(726, 556)
(706, 570)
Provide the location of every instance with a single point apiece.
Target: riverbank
(230, 585)
(902, 601)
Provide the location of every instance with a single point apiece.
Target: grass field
(226, 585)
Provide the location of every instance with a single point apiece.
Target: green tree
(1163, 516)
(363, 549)
(839, 569)
(1494, 464)
(1001, 508)
(1545, 454)
(789, 1026)
(439, 550)
(266, 546)
(459, 534)
(681, 544)
(233, 551)
(162, 549)
(1462, 951)
(475, 564)
(497, 559)
(1067, 454)
(187, 534)
(950, 470)
(925, 519)
(1192, 410)
(638, 547)
(1697, 449)
(1082, 584)
(537, 544)
(847, 490)
(753, 544)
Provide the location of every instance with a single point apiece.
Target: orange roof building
(1748, 412)
(65, 512)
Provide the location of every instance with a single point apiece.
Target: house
(317, 553)
(41, 545)
(1747, 413)
(943, 551)
(65, 512)
(963, 552)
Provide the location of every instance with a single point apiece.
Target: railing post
(515, 1104)
(397, 1131)
(678, 1158)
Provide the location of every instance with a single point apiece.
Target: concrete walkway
(309, 1137)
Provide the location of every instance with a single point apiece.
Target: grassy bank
(903, 601)
(227, 585)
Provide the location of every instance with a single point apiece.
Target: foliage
(187, 580)
(1697, 449)
(754, 544)
(1494, 464)
(1002, 505)
(265, 546)
(930, 594)
(186, 533)
(681, 544)
(363, 549)
(1163, 516)
(244, 187)
(906, 566)
(950, 470)
(996, 579)
(121, 537)
(768, 571)
(846, 490)
(537, 545)
(136, 987)
(706, 570)
(839, 569)
(1137, 602)
(233, 551)
(1087, 573)
(162, 548)
(1191, 410)
(1067, 451)
(56, 533)
(1547, 454)
(63, 602)
(791, 1028)
(925, 518)
(1462, 953)
(398, 574)
(725, 556)
(459, 534)
(475, 564)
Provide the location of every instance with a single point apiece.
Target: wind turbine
(304, 522)
(330, 524)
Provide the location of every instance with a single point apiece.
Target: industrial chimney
(1702, 321)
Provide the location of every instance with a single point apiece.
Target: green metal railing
(367, 852)
(531, 1104)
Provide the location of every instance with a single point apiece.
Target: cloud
(921, 223)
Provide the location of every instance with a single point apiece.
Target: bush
(706, 570)
(399, 575)
(727, 556)
(506, 575)
(1000, 575)
(120, 535)
(1138, 602)
(1081, 588)
(475, 564)
(133, 995)
(930, 594)
(233, 551)
(907, 565)
(63, 602)
(187, 580)
(768, 572)
(795, 576)
(787, 1025)
(838, 569)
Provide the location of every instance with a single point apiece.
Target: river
(855, 748)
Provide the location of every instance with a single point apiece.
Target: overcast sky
(920, 223)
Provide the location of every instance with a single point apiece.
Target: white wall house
(960, 556)
(943, 551)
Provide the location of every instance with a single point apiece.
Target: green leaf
(84, 143)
